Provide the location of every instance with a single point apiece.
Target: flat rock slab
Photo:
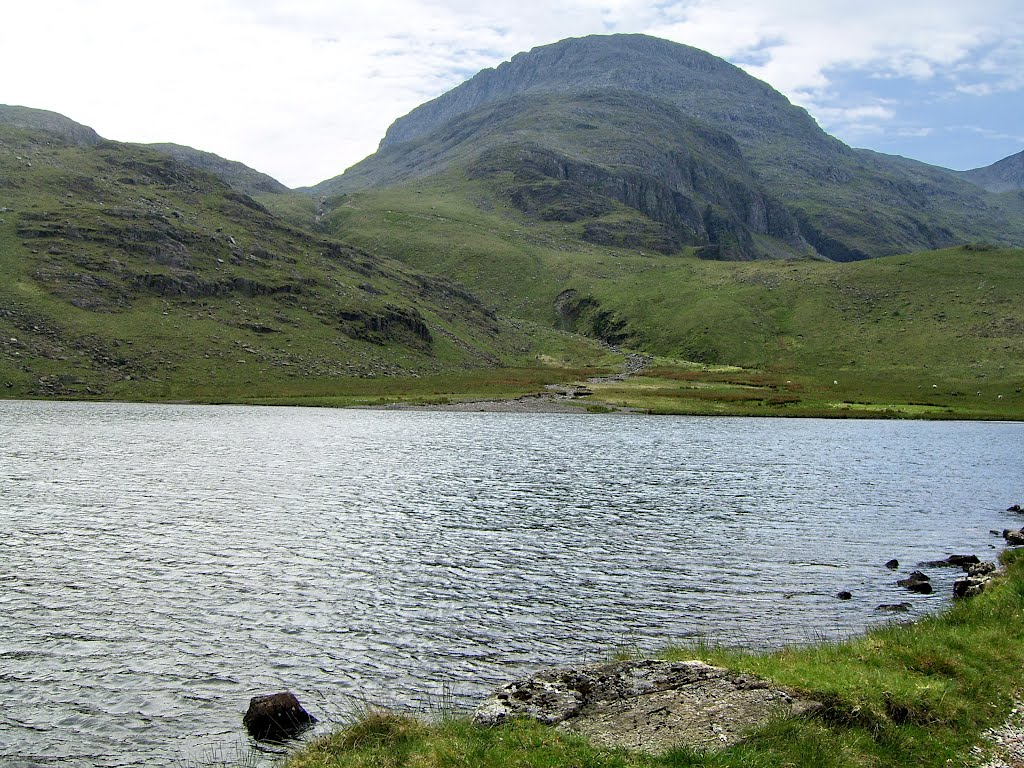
(648, 706)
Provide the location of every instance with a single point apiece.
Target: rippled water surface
(159, 565)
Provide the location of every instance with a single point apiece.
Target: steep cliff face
(575, 162)
(1006, 175)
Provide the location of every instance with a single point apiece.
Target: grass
(900, 696)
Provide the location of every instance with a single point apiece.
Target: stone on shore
(974, 583)
(276, 717)
(650, 706)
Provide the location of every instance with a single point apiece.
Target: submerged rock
(894, 607)
(649, 705)
(276, 717)
(844, 595)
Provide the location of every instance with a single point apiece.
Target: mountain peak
(701, 84)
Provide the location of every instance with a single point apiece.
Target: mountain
(594, 157)
(848, 204)
(1006, 175)
(126, 273)
(239, 177)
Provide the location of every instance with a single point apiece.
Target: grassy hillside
(934, 333)
(126, 274)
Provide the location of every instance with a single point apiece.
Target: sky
(302, 89)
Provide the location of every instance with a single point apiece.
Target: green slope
(127, 274)
(929, 330)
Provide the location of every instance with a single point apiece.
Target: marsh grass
(903, 695)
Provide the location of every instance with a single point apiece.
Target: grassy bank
(903, 695)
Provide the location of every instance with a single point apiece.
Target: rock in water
(953, 561)
(917, 582)
(894, 607)
(276, 717)
(893, 564)
(649, 705)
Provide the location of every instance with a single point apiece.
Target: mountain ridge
(1006, 175)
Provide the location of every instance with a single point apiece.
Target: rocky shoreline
(646, 705)
(653, 706)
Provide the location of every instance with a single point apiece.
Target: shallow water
(159, 565)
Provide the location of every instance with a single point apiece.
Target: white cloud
(301, 89)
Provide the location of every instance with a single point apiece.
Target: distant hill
(848, 204)
(1006, 175)
(236, 175)
(60, 127)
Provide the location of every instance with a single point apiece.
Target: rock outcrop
(648, 705)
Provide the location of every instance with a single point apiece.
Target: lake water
(159, 565)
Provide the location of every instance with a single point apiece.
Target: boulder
(981, 569)
(970, 586)
(953, 561)
(893, 564)
(917, 582)
(844, 595)
(650, 706)
(1014, 538)
(276, 717)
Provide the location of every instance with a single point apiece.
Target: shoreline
(924, 693)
